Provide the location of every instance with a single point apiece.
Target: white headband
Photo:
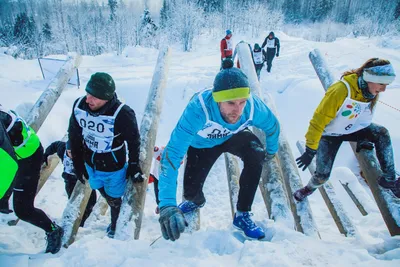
(383, 74)
(384, 79)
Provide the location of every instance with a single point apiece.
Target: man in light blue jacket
(216, 121)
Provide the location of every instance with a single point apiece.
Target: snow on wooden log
(46, 101)
(100, 208)
(343, 222)
(321, 68)
(301, 211)
(233, 175)
(353, 197)
(387, 203)
(135, 194)
(73, 213)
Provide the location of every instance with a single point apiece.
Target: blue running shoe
(110, 231)
(189, 206)
(244, 223)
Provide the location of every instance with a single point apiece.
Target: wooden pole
(135, 194)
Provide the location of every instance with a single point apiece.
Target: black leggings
(329, 146)
(115, 206)
(69, 187)
(247, 147)
(25, 187)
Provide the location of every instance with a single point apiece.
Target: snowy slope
(296, 91)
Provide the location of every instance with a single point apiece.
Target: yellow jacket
(329, 106)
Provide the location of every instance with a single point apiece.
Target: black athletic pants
(115, 206)
(25, 186)
(247, 147)
(270, 56)
(329, 146)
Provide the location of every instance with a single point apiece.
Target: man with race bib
(216, 121)
(258, 59)
(273, 46)
(101, 130)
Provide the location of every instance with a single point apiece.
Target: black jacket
(277, 44)
(125, 128)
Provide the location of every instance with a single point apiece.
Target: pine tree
(147, 29)
(321, 10)
(397, 10)
(113, 4)
(46, 31)
(164, 14)
(24, 29)
(210, 6)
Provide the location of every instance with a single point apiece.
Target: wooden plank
(233, 175)
(135, 194)
(49, 97)
(388, 204)
(302, 213)
(354, 198)
(73, 213)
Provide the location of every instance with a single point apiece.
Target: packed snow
(296, 90)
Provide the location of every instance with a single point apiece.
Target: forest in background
(36, 28)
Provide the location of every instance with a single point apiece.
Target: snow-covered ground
(296, 90)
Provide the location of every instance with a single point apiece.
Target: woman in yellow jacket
(345, 114)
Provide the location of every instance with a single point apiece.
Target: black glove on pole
(367, 145)
(134, 172)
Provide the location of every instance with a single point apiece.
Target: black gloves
(134, 172)
(305, 159)
(82, 175)
(172, 222)
(45, 157)
(364, 145)
(277, 54)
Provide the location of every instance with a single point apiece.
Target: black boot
(4, 208)
(54, 239)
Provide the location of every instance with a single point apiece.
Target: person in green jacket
(29, 154)
(8, 164)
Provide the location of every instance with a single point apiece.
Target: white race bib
(214, 130)
(258, 57)
(271, 43)
(97, 131)
(352, 116)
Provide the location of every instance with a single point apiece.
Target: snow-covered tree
(147, 30)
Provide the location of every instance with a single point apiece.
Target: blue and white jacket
(193, 129)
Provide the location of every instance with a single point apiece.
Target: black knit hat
(230, 84)
(101, 85)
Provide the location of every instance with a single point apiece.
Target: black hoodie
(277, 44)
